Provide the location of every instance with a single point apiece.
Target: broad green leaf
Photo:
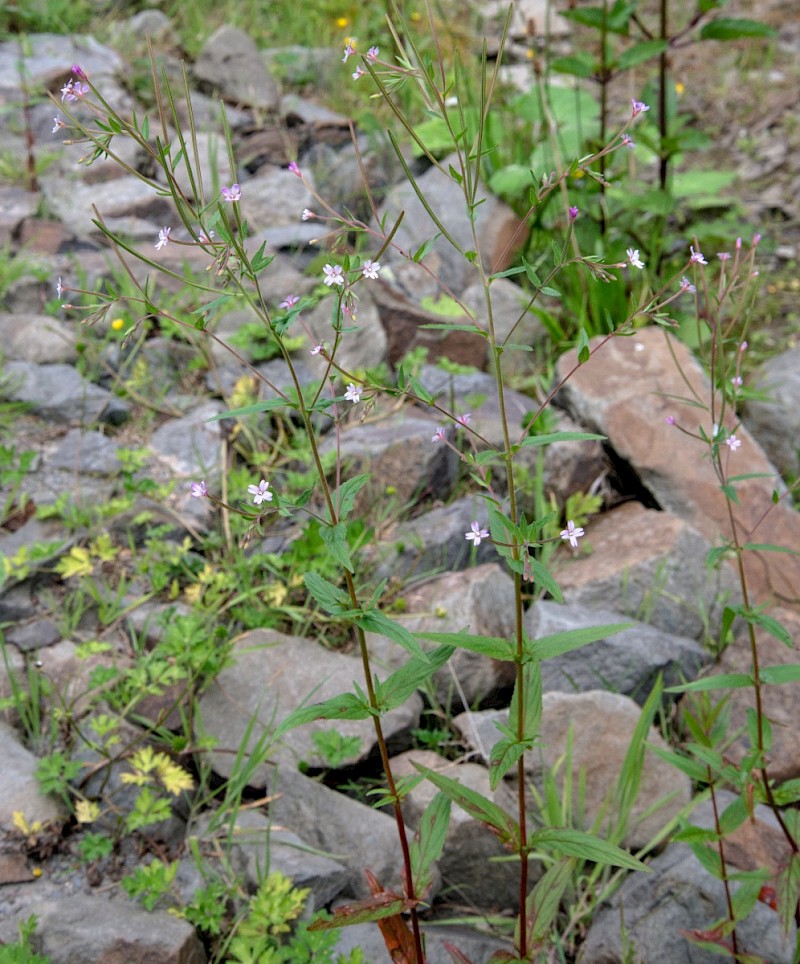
(562, 437)
(330, 597)
(780, 674)
(584, 846)
(558, 643)
(397, 688)
(640, 53)
(429, 841)
(345, 706)
(495, 647)
(734, 28)
(724, 681)
(335, 539)
(543, 578)
(347, 492)
(769, 625)
(476, 806)
(544, 900)
(532, 707)
(577, 65)
(503, 755)
(692, 768)
(375, 621)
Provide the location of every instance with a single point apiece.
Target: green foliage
(21, 952)
(151, 883)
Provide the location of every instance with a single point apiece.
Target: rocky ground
(663, 511)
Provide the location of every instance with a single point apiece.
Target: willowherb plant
(236, 274)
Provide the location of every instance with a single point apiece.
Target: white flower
(333, 274)
(260, 492)
(353, 393)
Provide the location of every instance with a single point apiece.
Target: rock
(87, 453)
(366, 347)
(661, 579)
(190, 446)
(19, 788)
(211, 163)
(474, 945)
(48, 59)
(398, 453)
(775, 420)
(36, 634)
(57, 392)
(625, 392)
(530, 18)
(469, 872)
(120, 931)
(231, 63)
(480, 600)
(569, 467)
(499, 229)
(602, 726)
(627, 662)
(269, 677)
(326, 820)
(678, 895)
(15, 206)
(275, 199)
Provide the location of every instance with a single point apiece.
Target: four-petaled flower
(260, 492)
(628, 141)
(57, 124)
(372, 53)
(289, 302)
(733, 443)
(353, 393)
(633, 258)
(637, 107)
(370, 269)
(463, 420)
(316, 349)
(292, 166)
(198, 489)
(696, 256)
(333, 274)
(737, 381)
(358, 72)
(438, 435)
(163, 238)
(74, 89)
(573, 213)
(687, 285)
(572, 533)
(477, 534)
(232, 193)
(307, 215)
(349, 50)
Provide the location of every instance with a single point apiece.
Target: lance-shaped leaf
(562, 437)
(345, 706)
(549, 646)
(374, 621)
(544, 900)
(427, 845)
(477, 806)
(495, 647)
(584, 846)
(335, 539)
(330, 597)
(345, 496)
(376, 908)
(397, 688)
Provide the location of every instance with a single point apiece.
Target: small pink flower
(73, 89)
(670, 419)
(633, 258)
(572, 533)
(756, 239)
(58, 124)
(205, 238)
(438, 435)
(163, 238)
(573, 213)
(353, 393)
(743, 346)
(317, 349)
(477, 534)
(260, 492)
(637, 107)
(372, 53)
(687, 285)
(733, 443)
(724, 256)
(628, 141)
(737, 381)
(349, 50)
(294, 168)
(198, 489)
(738, 244)
(696, 256)
(358, 73)
(370, 269)
(289, 302)
(307, 215)
(232, 193)
(333, 275)
(463, 420)
(78, 71)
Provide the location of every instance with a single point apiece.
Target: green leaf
(495, 647)
(428, 844)
(543, 578)
(397, 688)
(724, 681)
(578, 65)
(375, 621)
(772, 675)
(365, 911)
(640, 53)
(503, 755)
(769, 547)
(335, 539)
(692, 768)
(424, 249)
(544, 900)
(735, 28)
(330, 597)
(345, 706)
(476, 805)
(584, 354)
(562, 437)
(584, 846)
(345, 496)
(558, 643)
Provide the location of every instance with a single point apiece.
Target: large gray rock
(56, 392)
(19, 788)
(627, 662)
(270, 676)
(48, 59)
(190, 446)
(775, 420)
(366, 347)
(231, 64)
(37, 338)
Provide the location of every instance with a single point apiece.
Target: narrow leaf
(724, 681)
(395, 690)
(558, 643)
(376, 622)
(345, 706)
(584, 846)
(562, 437)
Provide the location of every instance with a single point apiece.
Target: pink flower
(294, 168)
(163, 238)
(743, 346)
(733, 443)
(289, 302)
(198, 489)
(349, 50)
(78, 71)
(232, 193)
(670, 419)
(628, 141)
(756, 239)
(353, 393)
(572, 533)
(633, 258)
(463, 420)
(57, 124)
(73, 89)
(307, 215)
(697, 256)
(372, 53)
(477, 534)
(573, 213)
(637, 107)
(687, 285)
(370, 269)
(438, 435)
(724, 256)
(358, 72)
(333, 275)
(260, 492)
(317, 349)
(737, 381)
